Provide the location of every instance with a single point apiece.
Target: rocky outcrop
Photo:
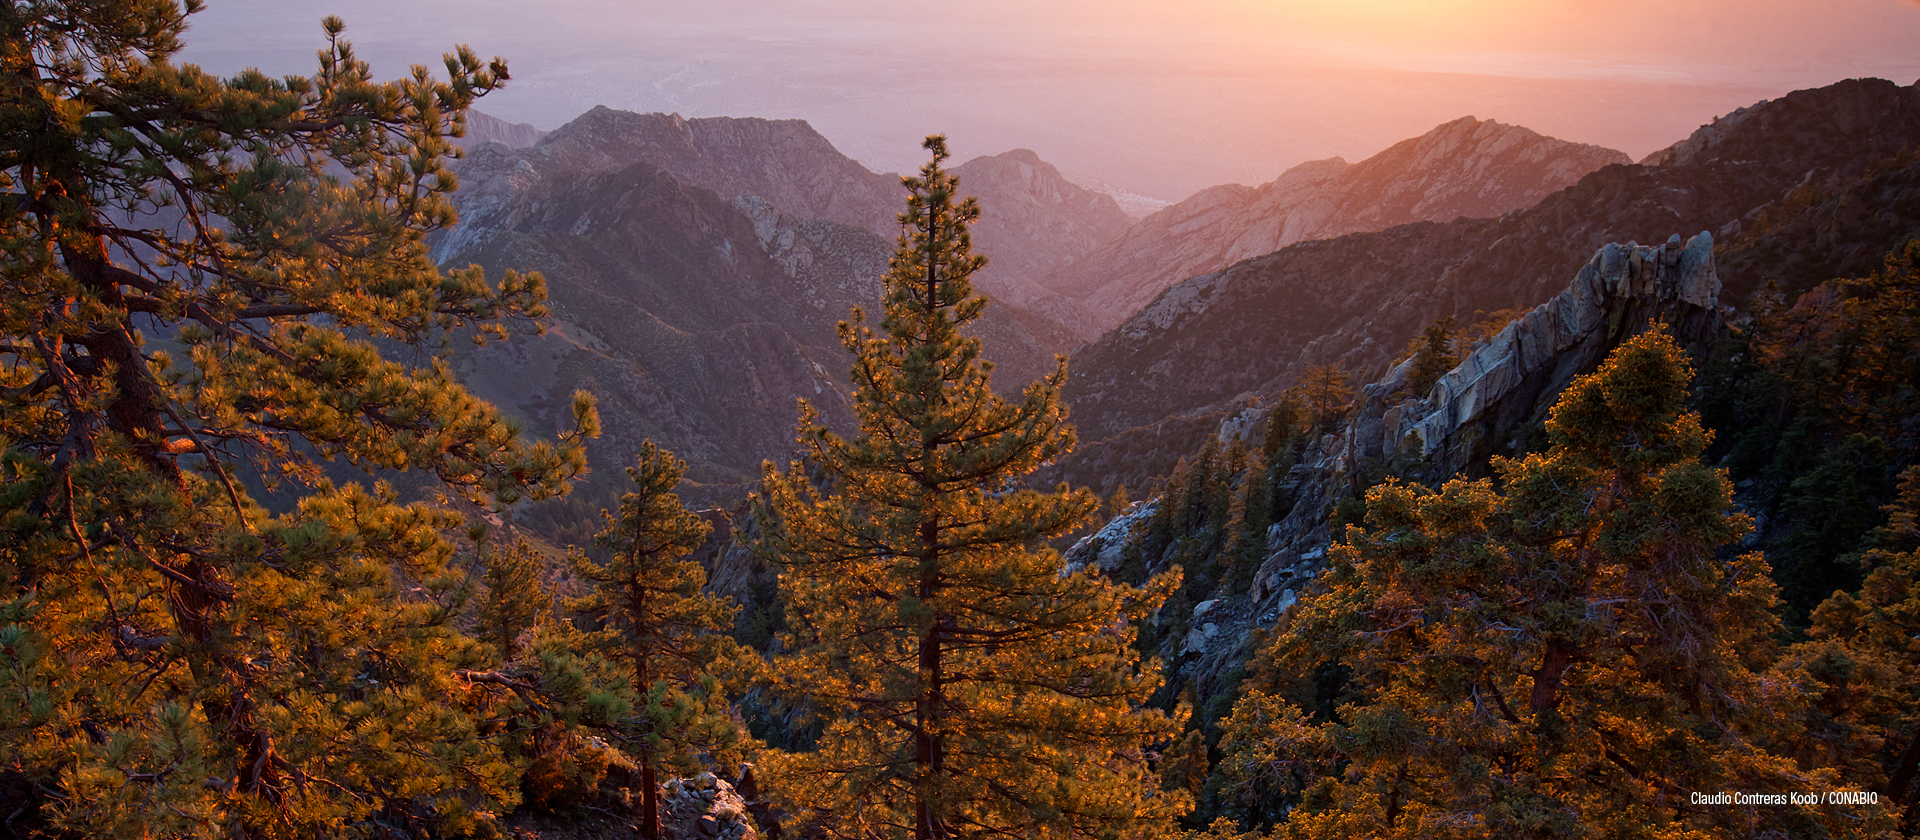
(1512, 378)
(1486, 405)
(1033, 222)
(705, 807)
(1483, 407)
(1467, 167)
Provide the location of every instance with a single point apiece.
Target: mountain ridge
(1466, 167)
(1248, 331)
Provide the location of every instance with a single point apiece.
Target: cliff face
(1215, 341)
(1466, 168)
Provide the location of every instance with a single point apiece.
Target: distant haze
(1162, 97)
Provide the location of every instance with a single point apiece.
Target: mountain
(696, 318)
(785, 162)
(1144, 391)
(695, 321)
(1467, 167)
(1033, 222)
(485, 128)
(1036, 220)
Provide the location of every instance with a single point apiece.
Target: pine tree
(1859, 670)
(1279, 449)
(1326, 393)
(1243, 545)
(1569, 657)
(196, 272)
(967, 687)
(668, 635)
(516, 600)
(1433, 355)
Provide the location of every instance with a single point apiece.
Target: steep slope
(1247, 568)
(1250, 329)
(1466, 168)
(1033, 222)
(694, 320)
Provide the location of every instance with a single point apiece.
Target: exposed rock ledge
(1481, 408)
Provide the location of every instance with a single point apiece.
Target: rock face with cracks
(1481, 408)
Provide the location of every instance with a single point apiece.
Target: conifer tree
(667, 633)
(1568, 658)
(1325, 390)
(196, 270)
(1243, 545)
(516, 600)
(1279, 450)
(1860, 670)
(1433, 355)
(967, 687)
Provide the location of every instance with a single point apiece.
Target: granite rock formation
(1481, 408)
(705, 807)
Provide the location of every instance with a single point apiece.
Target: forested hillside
(1486, 528)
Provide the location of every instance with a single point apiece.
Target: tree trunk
(642, 682)
(1546, 679)
(649, 796)
(1897, 788)
(927, 711)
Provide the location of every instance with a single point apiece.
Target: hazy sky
(1159, 96)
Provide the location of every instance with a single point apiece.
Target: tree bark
(926, 823)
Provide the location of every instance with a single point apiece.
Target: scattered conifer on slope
(667, 634)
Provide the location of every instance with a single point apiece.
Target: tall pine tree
(196, 273)
(668, 634)
(968, 688)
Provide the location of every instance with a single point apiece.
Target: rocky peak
(785, 162)
(483, 128)
(1468, 167)
(1033, 222)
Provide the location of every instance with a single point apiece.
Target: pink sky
(1159, 96)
